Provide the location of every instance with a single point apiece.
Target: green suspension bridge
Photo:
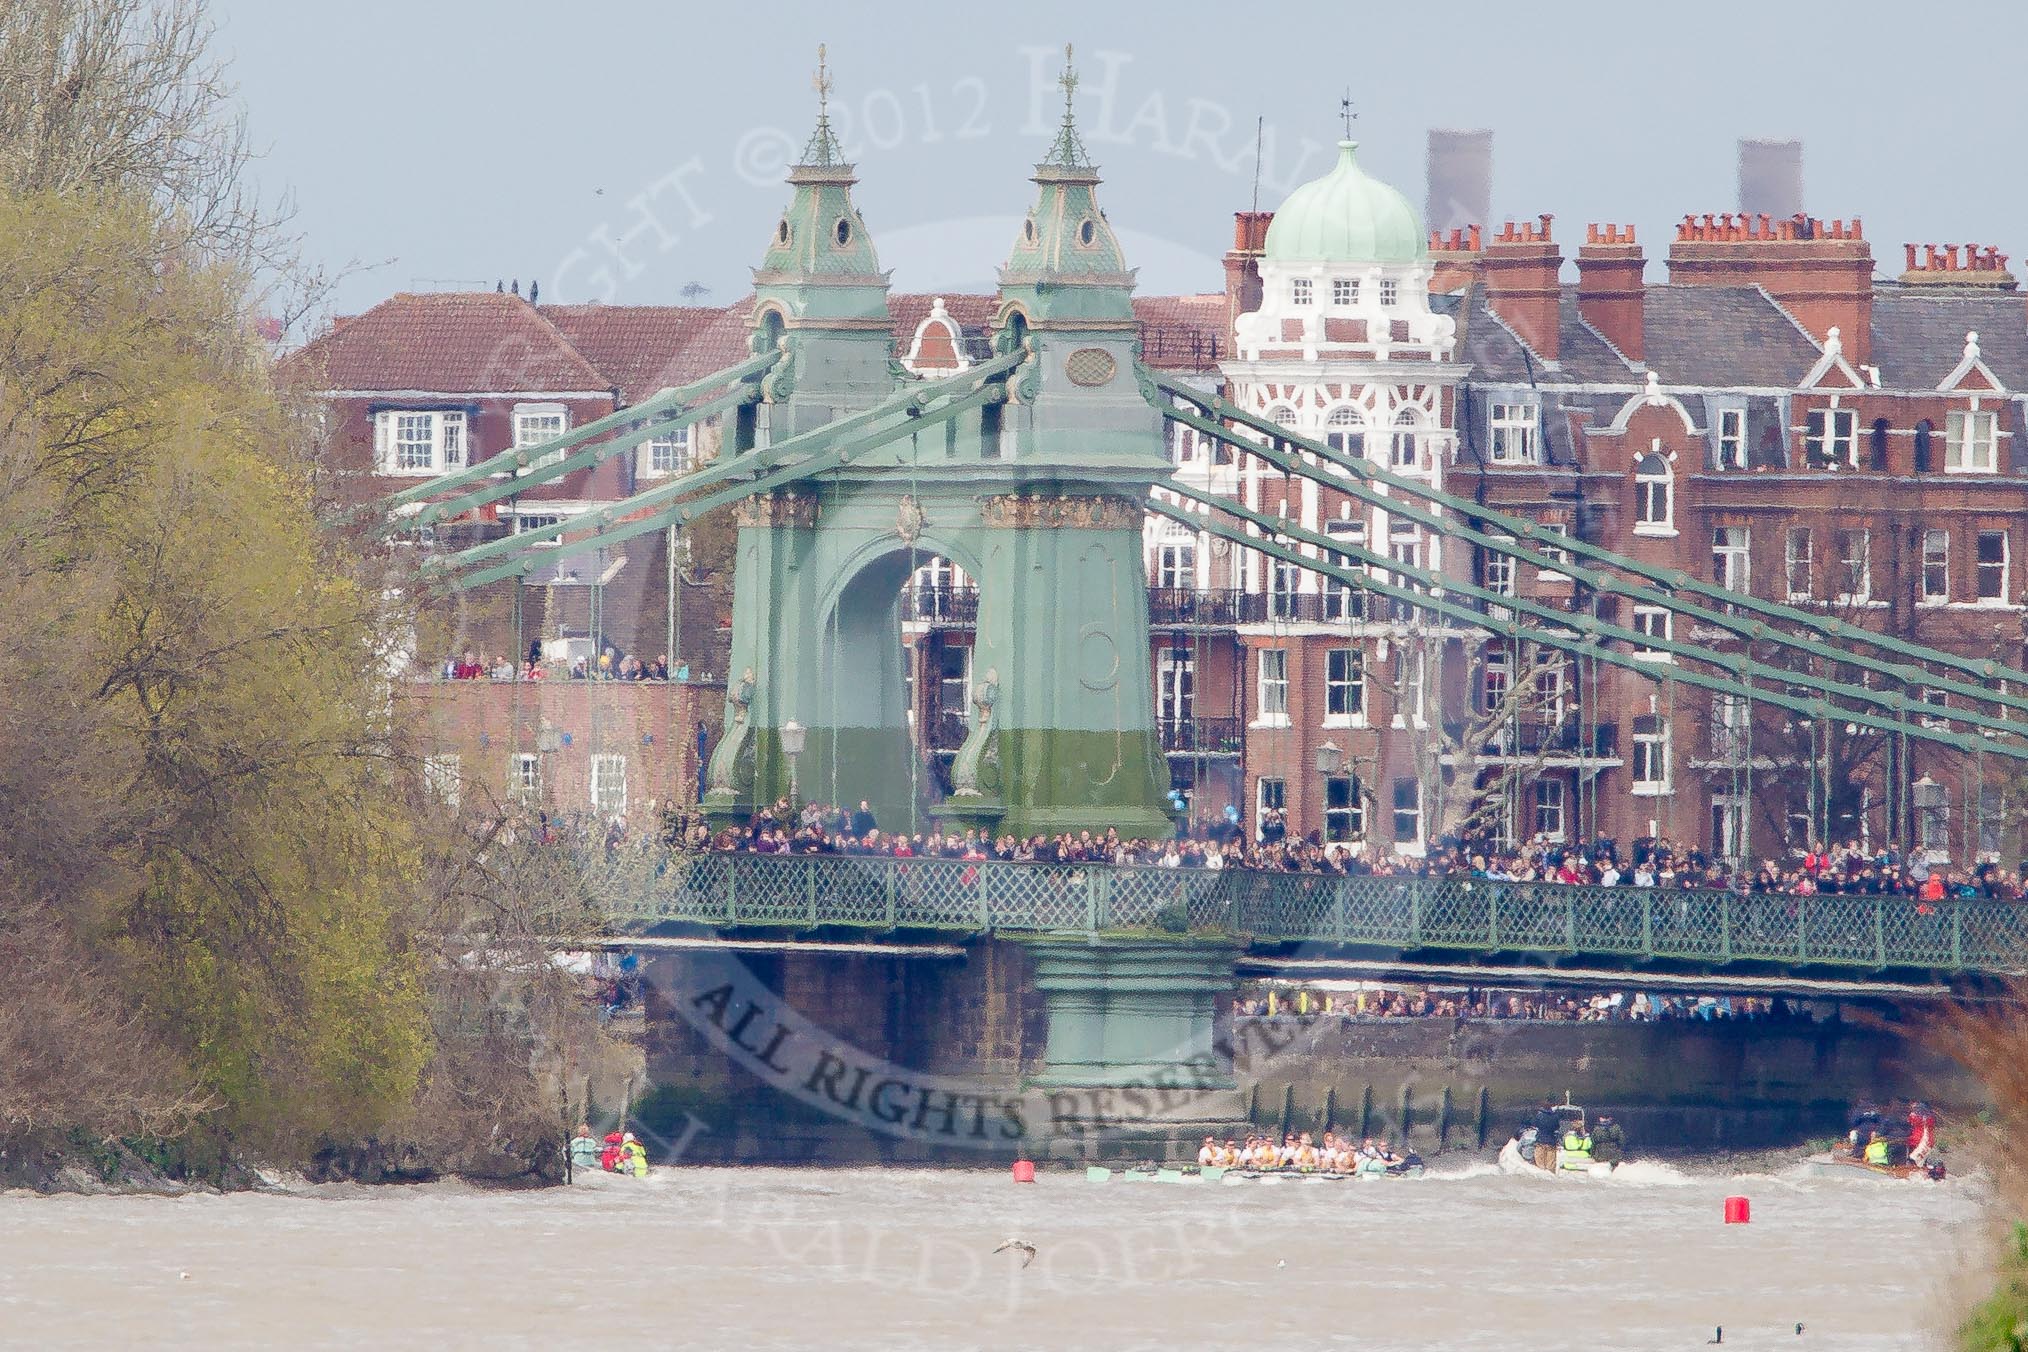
(1033, 470)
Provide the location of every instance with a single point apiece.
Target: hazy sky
(620, 150)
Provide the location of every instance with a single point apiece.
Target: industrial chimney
(1771, 178)
(1460, 176)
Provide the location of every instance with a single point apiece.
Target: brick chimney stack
(1610, 291)
(1453, 258)
(1520, 267)
(1242, 267)
(1959, 266)
(1820, 271)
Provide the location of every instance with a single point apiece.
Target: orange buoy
(1024, 1171)
(1738, 1211)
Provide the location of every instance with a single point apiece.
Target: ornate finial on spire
(1068, 151)
(1345, 111)
(823, 147)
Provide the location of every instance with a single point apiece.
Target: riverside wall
(834, 1058)
(1683, 1086)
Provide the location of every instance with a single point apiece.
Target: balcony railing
(1209, 736)
(941, 605)
(1183, 607)
(1863, 935)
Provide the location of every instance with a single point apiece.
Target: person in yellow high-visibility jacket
(1576, 1148)
(633, 1157)
(1877, 1151)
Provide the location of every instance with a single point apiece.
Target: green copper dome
(1346, 217)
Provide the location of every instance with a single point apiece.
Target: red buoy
(1024, 1171)
(1738, 1211)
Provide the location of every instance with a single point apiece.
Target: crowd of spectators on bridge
(610, 664)
(821, 828)
(1308, 1004)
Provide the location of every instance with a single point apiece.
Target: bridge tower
(1037, 494)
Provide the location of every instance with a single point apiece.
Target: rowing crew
(1302, 1154)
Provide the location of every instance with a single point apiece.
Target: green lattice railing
(641, 888)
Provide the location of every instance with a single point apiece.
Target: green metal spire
(822, 150)
(1067, 263)
(820, 263)
(1068, 152)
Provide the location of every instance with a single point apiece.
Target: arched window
(1282, 415)
(1924, 432)
(1876, 446)
(1404, 454)
(1654, 495)
(1345, 430)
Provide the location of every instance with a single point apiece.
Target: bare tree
(125, 97)
(1469, 767)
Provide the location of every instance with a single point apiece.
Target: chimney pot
(1911, 257)
(1477, 240)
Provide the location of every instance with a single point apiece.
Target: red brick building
(1771, 417)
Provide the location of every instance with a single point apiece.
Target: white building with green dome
(1344, 348)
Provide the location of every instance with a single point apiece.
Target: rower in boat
(584, 1150)
(1576, 1152)
(1208, 1155)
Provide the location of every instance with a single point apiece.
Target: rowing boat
(1838, 1164)
(1097, 1173)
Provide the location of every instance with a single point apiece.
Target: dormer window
(782, 232)
(1087, 233)
(1028, 230)
(1390, 293)
(1514, 434)
(842, 232)
(1732, 438)
(1831, 437)
(1971, 444)
(1299, 291)
(1344, 290)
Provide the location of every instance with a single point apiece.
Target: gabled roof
(1919, 335)
(456, 342)
(486, 342)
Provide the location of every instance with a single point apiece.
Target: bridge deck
(641, 889)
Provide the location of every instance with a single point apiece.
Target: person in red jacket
(1921, 1133)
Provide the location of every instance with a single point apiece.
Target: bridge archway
(872, 720)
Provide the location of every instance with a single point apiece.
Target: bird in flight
(1027, 1250)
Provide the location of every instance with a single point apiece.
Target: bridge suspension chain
(1432, 519)
(1661, 585)
(1434, 601)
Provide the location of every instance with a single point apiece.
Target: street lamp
(792, 747)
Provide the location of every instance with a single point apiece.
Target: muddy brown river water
(763, 1259)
